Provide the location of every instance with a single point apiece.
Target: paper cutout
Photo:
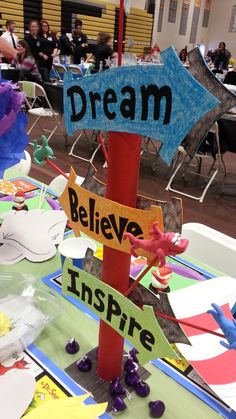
(104, 220)
(24, 185)
(143, 296)
(214, 363)
(16, 392)
(122, 100)
(199, 69)
(172, 212)
(7, 188)
(68, 408)
(138, 326)
(31, 235)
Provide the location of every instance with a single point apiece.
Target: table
(11, 74)
(55, 96)
(180, 404)
(227, 133)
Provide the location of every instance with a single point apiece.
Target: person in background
(79, 43)
(183, 54)
(221, 57)
(9, 35)
(33, 40)
(48, 46)
(25, 62)
(65, 47)
(104, 51)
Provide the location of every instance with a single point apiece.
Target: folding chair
(93, 140)
(34, 91)
(186, 162)
(59, 70)
(76, 71)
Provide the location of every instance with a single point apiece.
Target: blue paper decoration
(161, 102)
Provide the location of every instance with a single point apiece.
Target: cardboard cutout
(138, 326)
(162, 102)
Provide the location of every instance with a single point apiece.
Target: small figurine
(227, 326)
(43, 153)
(160, 279)
(142, 389)
(162, 244)
(118, 405)
(19, 202)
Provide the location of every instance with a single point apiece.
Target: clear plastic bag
(27, 310)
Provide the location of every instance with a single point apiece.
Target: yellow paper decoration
(5, 324)
(69, 408)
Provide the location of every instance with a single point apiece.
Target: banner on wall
(162, 102)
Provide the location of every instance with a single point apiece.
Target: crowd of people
(36, 53)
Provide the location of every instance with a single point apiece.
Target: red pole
(122, 184)
(120, 34)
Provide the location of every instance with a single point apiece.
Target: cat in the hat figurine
(19, 202)
(160, 279)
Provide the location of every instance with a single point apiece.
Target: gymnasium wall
(96, 15)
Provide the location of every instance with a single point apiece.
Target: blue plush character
(227, 326)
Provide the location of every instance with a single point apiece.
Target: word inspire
(106, 303)
(151, 97)
(107, 226)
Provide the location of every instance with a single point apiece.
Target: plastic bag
(27, 311)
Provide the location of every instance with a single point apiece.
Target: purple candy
(132, 378)
(142, 389)
(72, 347)
(130, 365)
(84, 364)
(157, 408)
(118, 405)
(116, 387)
(133, 354)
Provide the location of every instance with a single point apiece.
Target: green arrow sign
(139, 327)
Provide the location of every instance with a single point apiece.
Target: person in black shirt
(79, 43)
(48, 46)
(104, 51)
(34, 41)
(221, 57)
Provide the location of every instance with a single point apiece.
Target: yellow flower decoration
(5, 324)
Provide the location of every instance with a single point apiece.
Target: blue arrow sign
(160, 101)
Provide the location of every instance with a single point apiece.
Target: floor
(217, 211)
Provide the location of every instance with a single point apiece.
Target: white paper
(17, 390)
(30, 234)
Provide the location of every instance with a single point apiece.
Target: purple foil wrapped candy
(142, 389)
(84, 364)
(72, 347)
(132, 378)
(157, 409)
(130, 365)
(118, 405)
(116, 387)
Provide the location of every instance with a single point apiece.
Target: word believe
(104, 220)
(140, 327)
